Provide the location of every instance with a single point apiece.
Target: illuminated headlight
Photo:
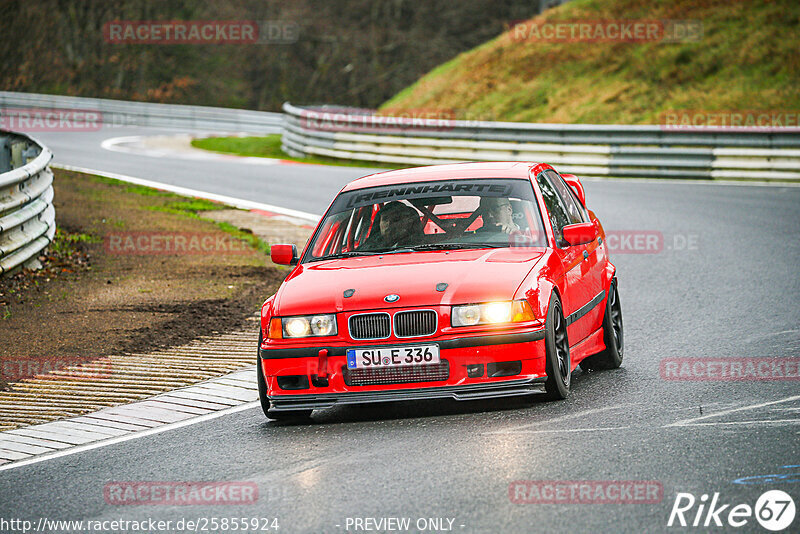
(309, 326)
(497, 312)
(492, 313)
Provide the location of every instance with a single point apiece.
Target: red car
(464, 281)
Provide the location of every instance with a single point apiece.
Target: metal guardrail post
(5, 154)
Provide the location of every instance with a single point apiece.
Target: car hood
(470, 275)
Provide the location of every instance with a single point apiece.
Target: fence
(585, 150)
(27, 216)
(122, 113)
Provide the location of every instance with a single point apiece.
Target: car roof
(455, 171)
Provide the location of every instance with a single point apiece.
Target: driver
(397, 224)
(497, 215)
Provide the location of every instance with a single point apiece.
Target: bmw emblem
(391, 298)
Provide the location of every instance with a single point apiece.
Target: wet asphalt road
(722, 283)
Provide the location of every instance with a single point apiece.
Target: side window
(556, 210)
(364, 219)
(574, 210)
(329, 236)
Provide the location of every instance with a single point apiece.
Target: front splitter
(490, 390)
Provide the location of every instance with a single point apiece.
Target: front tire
(558, 363)
(611, 356)
(293, 415)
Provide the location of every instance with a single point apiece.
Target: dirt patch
(118, 288)
(268, 229)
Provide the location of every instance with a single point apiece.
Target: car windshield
(455, 214)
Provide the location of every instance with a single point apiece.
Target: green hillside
(748, 58)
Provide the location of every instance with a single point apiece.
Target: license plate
(392, 356)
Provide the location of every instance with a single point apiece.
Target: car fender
(266, 314)
(608, 276)
(610, 270)
(546, 278)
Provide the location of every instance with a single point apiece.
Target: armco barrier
(18, 108)
(27, 216)
(585, 150)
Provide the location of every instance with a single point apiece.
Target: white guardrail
(26, 108)
(27, 216)
(585, 150)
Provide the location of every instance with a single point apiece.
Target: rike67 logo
(774, 510)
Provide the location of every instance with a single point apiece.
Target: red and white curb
(206, 400)
(178, 146)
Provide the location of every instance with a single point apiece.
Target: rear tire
(558, 364)
(611, 356)
(293, 415)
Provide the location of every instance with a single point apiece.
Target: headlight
(296, 327)
(307, 326)
(497, 312)
(492, 313)
(323, 325)
(466, 315)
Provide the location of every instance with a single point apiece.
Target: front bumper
(488, 390)
(460, 352)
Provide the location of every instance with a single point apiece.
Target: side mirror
(576, 186)
(283, 254)
(579, 234)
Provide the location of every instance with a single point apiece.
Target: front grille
(397, 375)
(415, 323)
(370, 326)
